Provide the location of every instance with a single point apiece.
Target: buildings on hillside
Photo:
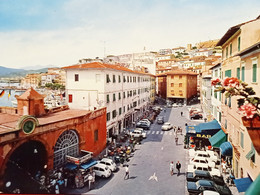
(125, 93)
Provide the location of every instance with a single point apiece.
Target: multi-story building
(125, 93)
(216, 96)
(178, 50)
(241, 59)
(54, 75)
(30, 80)
(205, 95)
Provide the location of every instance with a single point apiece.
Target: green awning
(217, 139)
(254, 187)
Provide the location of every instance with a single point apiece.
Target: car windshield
(167, 124)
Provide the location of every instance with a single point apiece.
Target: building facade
(125, 93)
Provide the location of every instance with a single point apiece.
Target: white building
(125, 93)
(202, 52)
(178, 50)
(216, 96)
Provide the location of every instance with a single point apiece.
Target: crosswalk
(160, 133)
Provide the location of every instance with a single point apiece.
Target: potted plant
(248, 103)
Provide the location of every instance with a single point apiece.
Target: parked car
(203, 160)
(209, 192)
(207, 154)
(202, 185)
(146, 120)
(174, 105)
(143, 124)
(198, 175)
(196, 116)
(138, 132)
(167, 126)
(102, 170)
(160, 120)
(203, 167)
(109, 163)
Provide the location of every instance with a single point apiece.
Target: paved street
(149, 167)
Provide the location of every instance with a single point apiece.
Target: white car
(138, 132)
(203, 160)
(147, 121)
(203, 167)
(167, 126)
(109, 163)
(102, 170)
(175, 105)
(207, 154)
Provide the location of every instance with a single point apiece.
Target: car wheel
(103, 176)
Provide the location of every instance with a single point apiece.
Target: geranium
(248, 104)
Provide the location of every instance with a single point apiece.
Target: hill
(13, 72)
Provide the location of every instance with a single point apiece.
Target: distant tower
(189, 46)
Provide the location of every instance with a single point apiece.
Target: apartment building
(125, 93)
(30, 80)
(241, 59)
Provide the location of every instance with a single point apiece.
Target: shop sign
(203, 136)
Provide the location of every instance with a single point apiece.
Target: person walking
(126, 172)
(176, 140)
(171, 168)
(181, 113)
(178, 167)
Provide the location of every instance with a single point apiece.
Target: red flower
(215, 82)
(248, 110)
(231, 82)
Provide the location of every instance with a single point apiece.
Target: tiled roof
(99, 65)
(30, 94)
(182, 72)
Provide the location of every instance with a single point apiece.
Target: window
(172, 76)
(114, 113)
(76, 77)
(228, 73)
(119, 96)
(229, 102)
(254, 76)
(225, 100)
(114, 78)
(238, 72)
(227, 52)
(215, 94)
(120, 111)
(243, 73)
(219, 96)
(216, 73)
(123, 94)
(180, 77)
(124, 79)
(172, 84)
(128, 79)
(96, 135)
(107, 98)
(124, 109)
(225, 123)
(114, 97)
(238, 44)
(119, 78)
(242, 139)
(70, 98)
(251, 154)
(230, 49)
(108, 116)
(108, 79)
(180, 84)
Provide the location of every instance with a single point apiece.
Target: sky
(38, 33)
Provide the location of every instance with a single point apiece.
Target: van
(102, 170)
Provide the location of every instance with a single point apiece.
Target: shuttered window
(243, 73)
(254, 73)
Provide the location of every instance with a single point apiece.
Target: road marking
(153, 177)
(157, 132)
(161, 132)
(148, 132)
(153, 132)
(170, 133)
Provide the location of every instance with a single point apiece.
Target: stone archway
(67, 144)
(27, 160)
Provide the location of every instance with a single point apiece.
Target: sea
(4, 100)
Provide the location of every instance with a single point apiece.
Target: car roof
(166, 123)
(204, 165)
(200, 172)
(106, 160)
(200, 158)
(100, 165)
(204, 182)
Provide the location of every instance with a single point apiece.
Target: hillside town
(80, 128)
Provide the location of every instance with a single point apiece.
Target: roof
(30, 94)
(232, 31)
(180, 71)
(215, 66)
(249, 49)
(99, 65)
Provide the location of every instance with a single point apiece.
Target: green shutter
(238, 73)
(229, 102)
(227, 52)
(243, 73)
(254, 72)
(238, 44)
(228, 73)
(242, 139)
(230, 49)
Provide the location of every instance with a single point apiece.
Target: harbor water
(4, 100)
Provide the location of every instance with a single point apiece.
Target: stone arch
(66, 144)
(24, 162)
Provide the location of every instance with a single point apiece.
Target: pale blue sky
(60, 32)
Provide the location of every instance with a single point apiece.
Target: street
(150, 166)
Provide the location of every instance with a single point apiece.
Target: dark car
(196, 116)
(202, 185)
(160, 120)
(142, 125)
(199, 174)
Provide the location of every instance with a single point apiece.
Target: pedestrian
(178, 167)
(171, 168)
(181, 113)
(176, 140)
(126, 172)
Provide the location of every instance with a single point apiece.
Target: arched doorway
(24, 163)
(67, 144)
